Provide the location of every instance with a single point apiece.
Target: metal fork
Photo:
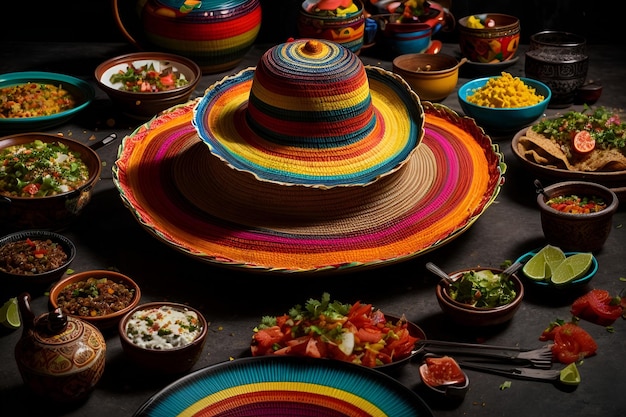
(521, 373)
(537, 358)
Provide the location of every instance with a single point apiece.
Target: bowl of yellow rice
(504, 103)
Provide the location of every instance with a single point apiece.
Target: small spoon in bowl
(447, 279)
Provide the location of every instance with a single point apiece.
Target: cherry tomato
(583, 142)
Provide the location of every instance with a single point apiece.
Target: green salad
(39, 169)
(482, 289)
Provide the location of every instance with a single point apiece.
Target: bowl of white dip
(163, 336)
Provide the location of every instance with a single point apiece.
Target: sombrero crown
(311, 114)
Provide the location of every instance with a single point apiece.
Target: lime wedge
(571, 268)
(543, 263)
(10, 315)
(570, 375)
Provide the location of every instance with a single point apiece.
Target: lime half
(10, 315)
(573, 267)
(570, 375)
(541, 266)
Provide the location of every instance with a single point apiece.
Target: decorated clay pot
(216, 34)
(491, 44)
(346, 30)
(559, 60)
(60, 358)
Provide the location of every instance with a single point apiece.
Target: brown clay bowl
(144, 105)
(170, 360)
(432, 76)
(50, 212)
(577, 232)
(467, 315)
(102, 322)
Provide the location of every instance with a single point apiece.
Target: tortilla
(539, 149)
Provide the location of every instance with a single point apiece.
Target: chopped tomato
(439, 371)
(263, 341)
(168, 79)
(583, 143)
(571, 342)
(597, 306)
(31, 188)
(369, 335)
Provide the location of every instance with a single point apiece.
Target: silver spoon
(447, 279)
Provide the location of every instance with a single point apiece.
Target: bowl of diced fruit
(142, 84)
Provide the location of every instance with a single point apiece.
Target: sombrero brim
(186, 197)
(220, 119)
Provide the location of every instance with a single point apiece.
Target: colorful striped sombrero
(285, 386)
(310, 113)
(186, 197)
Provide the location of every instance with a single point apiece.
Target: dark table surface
(107, 236)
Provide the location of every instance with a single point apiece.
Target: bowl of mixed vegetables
(142, 84)
(46, 180)
(480, 296)
(357, 333)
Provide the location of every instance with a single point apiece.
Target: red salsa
(576, 204)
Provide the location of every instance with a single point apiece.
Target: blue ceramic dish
(83, 92)
(503, 119)
(548, 284)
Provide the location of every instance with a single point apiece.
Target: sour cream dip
(162, 328)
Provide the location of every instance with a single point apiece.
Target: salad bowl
(355, 333)
(469, 315)
(172, 80)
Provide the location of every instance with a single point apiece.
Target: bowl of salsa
(577, 216)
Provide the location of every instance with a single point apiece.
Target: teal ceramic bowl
(548, 284)
(81, 90)
(503, 119)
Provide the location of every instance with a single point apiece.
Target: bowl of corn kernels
(504, 103)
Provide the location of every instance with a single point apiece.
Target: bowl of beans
(34, 257)
(577, 216)
(163, 337)
(100, 297)
(504, 103)
(46, 181)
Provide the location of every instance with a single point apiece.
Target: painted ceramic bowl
(503, 119)
(468, 315)
(497, 41)
(347, 30)
(172, 347)
(147, 104)
(100, 297)
(585, 232)
(432, 76)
